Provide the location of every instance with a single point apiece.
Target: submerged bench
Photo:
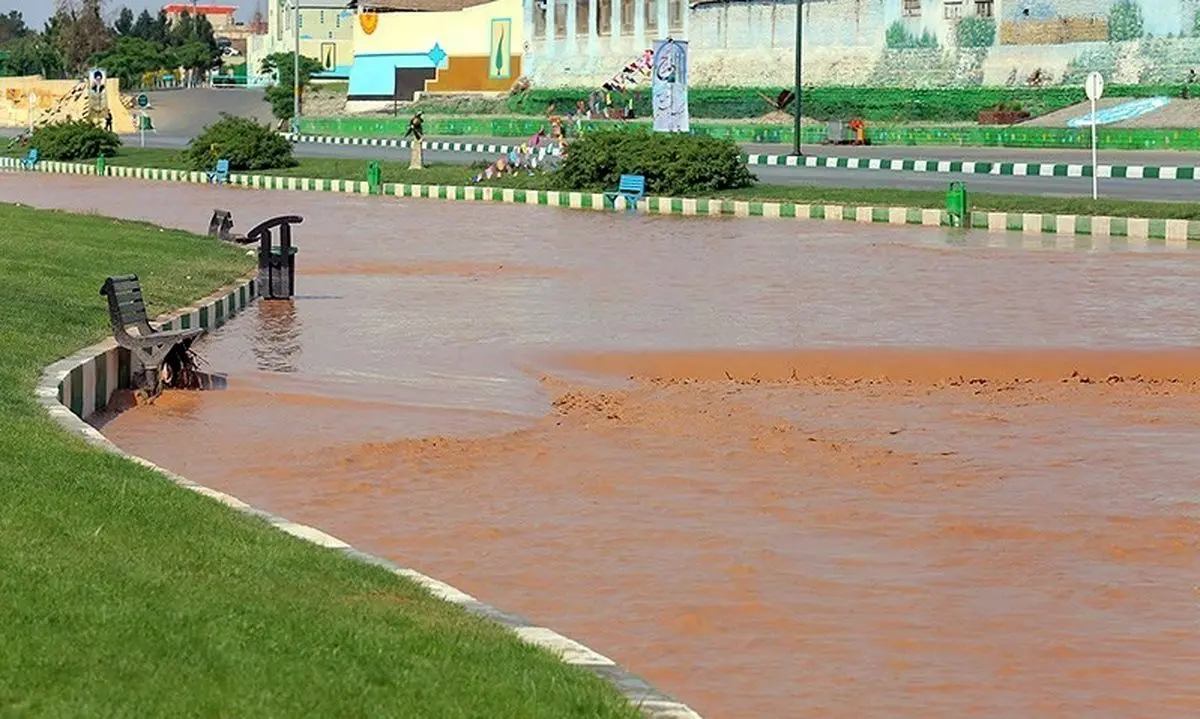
(632, 188)
(221, 227)
(132, 330)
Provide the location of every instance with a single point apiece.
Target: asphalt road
(1172, 190)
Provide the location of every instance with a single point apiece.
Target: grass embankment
(398, 172)
(124, 595)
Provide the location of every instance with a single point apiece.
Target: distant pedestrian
(108, 120)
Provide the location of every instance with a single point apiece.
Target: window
(675, 10)
(627, 10)
(651, 21)
(984, 8)
(583, 24)
(952, 9)
(539, 18)
(560, 18)
(604, 17)
(911, 8)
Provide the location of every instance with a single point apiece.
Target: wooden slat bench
(132, 330)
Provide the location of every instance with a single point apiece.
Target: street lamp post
(296, 71)
(798, 140)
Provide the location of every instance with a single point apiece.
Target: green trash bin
(375, 178)
(101, 166)
(956, 204)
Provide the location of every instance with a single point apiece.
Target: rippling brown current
(779, 469)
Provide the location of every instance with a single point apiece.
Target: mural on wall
(368, 21)
(500, 65)
(329, 55)
(904, 43)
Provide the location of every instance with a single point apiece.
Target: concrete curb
(489, 149)
(1175, 234)
(73, 388)
(952, 167)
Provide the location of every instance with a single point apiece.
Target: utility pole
(296, 71)
(798, 141)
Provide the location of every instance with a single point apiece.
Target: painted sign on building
(669, 92)
(500, 60)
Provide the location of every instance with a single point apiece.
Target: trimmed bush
(675, 164)
(246, 144)
(873, 104)
(74, 140)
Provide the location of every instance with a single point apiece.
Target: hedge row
(842, 103)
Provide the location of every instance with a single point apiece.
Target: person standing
(108, 120)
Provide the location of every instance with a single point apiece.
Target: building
(221, 17)
(405, 47)
(916, 43)
(326, 34)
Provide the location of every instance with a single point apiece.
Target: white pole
(296, 73)
(142, 126)
(1095, 180)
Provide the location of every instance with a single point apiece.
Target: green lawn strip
(398, 172)
(125, 595)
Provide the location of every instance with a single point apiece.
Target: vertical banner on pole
(669, 92)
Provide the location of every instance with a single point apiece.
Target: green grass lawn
(397, 171)
(124, 595)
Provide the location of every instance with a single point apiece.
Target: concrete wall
(737, 43)
(477, 49)
(14, 102)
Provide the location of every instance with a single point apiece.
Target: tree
(144, 27)
(280, 95)
(34, 54)
(124, 24)
(81, 33)
(182, 30)
(12, 27)
(1125, 21)
(132, 57)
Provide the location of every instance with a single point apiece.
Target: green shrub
(245, 143)
(74, 140)
(898, 37)
(675, 164)
(976, 32)
(1125, 21)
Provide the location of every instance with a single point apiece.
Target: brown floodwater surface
(780, 469)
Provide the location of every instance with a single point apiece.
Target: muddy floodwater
(780, 469)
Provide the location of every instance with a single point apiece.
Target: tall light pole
(296, 71)
(798, 140)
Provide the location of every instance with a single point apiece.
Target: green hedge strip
(887, 104)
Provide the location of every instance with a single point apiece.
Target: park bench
(220, 175)
(30, 160)
(132, 330)
(221, 227)
(632, 188)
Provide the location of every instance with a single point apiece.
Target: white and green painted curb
(74, 388)
(963, 167)
(949, 167)
(431, 145)
(1174, 234)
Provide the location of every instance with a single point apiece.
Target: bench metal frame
(149, 347)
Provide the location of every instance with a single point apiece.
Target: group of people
(527, 156)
